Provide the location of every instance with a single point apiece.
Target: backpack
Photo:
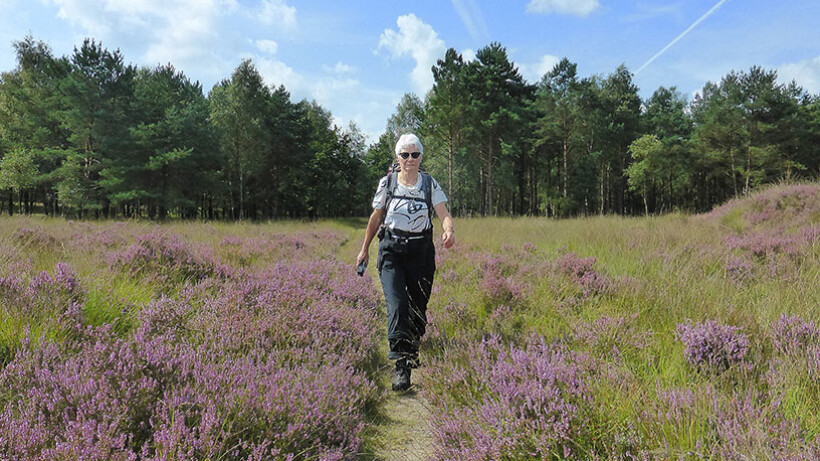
(393, 183)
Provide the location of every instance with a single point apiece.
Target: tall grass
(672, 337)
(645, 310)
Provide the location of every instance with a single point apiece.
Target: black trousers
(406, 269)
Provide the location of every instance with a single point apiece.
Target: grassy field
(672, 337)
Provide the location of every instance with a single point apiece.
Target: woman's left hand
(448, 239)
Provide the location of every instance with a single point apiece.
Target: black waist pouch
(408, 243)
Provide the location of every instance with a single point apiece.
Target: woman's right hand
(363, 256)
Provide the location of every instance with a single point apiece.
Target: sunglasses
(404, 155)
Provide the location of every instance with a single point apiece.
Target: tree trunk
(671, 192)
(748, 170)
(450, 155)
(565, 169)
(734, 169)
(601, 192)
(482, 184)
(241, 195)
(490, 191)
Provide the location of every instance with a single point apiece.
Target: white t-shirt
(404, 214)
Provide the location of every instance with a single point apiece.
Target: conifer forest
(91, 136)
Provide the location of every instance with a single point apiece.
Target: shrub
(712, 345)
(258, 365)
(792, 334)
(582, 272)
(508, 402)
(165, 255)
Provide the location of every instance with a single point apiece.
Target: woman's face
(409, 163)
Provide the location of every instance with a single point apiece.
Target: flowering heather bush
(610, 335)
(498, 288)
(739, 269)
(811, 235)
(786, 203)
(712, 345)
(257, 364)
(277, 246)
(505, 402)
(750, 426)
(780, 229)
(680, 405)
(301, 308)
(738, 425)
(791, 334)
(767, 243)
(773, 206)
(813, 364)
(45, 297)
(166, 255)
(94, 238)
(36, 238)
(581, 271)
(255, 405)
(571, 264)
(89, 405)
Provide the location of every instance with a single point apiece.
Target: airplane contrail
(472, 18)
(683, 34)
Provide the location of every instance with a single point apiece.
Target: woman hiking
(403, 208)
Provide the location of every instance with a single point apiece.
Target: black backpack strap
(427, 187)
(389, 188)
(389, 192)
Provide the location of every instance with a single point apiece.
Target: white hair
(407, 140)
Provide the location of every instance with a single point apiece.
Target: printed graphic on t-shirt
(407, 214)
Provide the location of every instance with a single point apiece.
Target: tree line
(88, 135)
(572, 145)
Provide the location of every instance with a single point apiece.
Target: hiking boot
(401, 376)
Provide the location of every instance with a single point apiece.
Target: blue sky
(357, 58)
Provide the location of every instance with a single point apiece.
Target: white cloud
(468, 55)
(534, 72)
(275, 73)
(805, 73)
(90, 19)
(267, 46)
(177, 31)
(278, 13)
(327, 90)
(418, 40)
(574, 7)
(330, 92)
(340, 68)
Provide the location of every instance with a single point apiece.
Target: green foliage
(447, 106)
(76, 189)
(499, 98)
(110, 140)
(646, 154)
(18, 170)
